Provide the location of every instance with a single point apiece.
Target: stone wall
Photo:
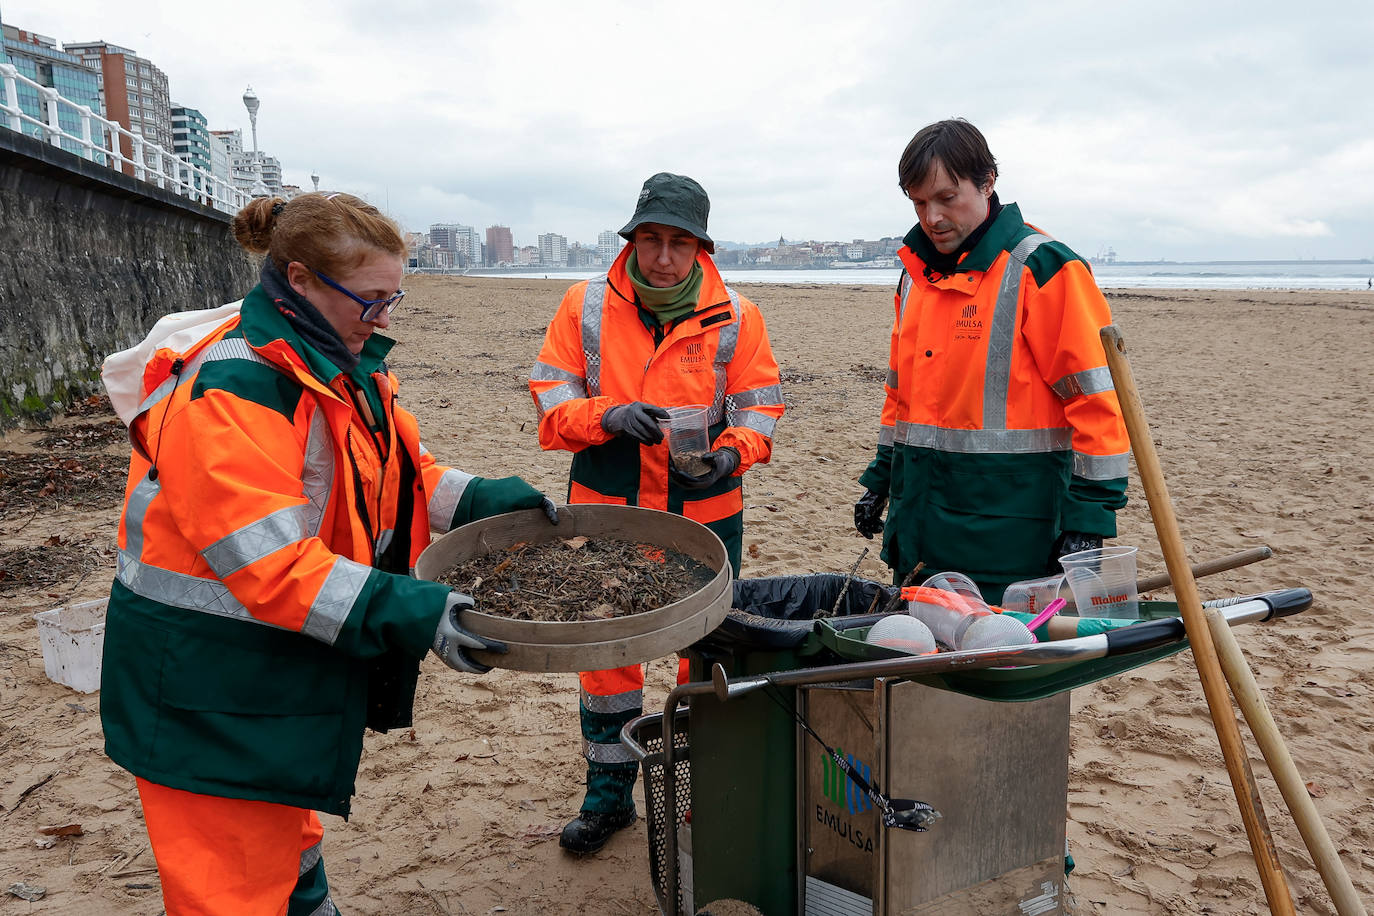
(89, 259)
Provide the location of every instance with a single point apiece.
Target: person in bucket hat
(659, 330)
(672, 200)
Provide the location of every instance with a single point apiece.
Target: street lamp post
(250, 101)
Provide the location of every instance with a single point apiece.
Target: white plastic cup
(1030, 596)
(950, 618)
(1103, 582)
(687, 434)
(958, 583)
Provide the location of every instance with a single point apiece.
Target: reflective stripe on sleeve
(760, 423)
(593, 300)
(543, 372)
(256, 540)
(560, 394)
(887, 435)
(573, 386)
(738, 414)
(755, 397)
(1089, 381)
(1101, 467)
(444, 502)
(335, 599)
(891, 381)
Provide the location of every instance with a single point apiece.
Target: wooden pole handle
(1195, 624)
(1291, 785)
(1209, 567)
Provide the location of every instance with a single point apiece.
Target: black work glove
(638, 421)
(550, 510)
(497, 495)
(868, 514)
(1072, 542)
(723, 462)
(451, 640)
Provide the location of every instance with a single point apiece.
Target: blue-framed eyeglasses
(371, 307)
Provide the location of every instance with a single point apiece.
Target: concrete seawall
(89, 259)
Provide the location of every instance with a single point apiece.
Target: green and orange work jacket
(263, 569)
(1000, 428)
(599, 351)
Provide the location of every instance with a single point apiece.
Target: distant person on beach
(263, 612)
(660, 330)
(1001, 445)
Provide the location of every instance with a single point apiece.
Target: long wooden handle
(1291, 785)
(1196, 625)
(1209, 567)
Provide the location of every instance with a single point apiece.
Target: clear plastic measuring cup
(687, 435)
(1029, 596)
(1103, 582)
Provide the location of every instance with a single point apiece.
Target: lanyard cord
(177, 366)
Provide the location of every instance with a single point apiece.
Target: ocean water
(1137, 275)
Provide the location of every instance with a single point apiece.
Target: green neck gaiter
(666, 303)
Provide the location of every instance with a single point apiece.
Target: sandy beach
(1262, 408)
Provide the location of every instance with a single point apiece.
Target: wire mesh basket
(644, 737)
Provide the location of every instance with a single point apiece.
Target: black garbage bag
(778, 612)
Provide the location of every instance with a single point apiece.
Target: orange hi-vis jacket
(271, 522)
(599, 353)
(1000, 426)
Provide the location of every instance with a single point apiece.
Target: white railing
(99, 141)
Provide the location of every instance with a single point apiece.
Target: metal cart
(742, 804)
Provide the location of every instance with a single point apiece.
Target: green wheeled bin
(760, 812)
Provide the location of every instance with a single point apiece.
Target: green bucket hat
(673, 200)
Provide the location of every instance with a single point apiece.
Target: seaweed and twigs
(577, 579)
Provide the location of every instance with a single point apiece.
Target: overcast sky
(1186, 131)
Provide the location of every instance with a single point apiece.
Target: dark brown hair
(956, 144)
(331, 233)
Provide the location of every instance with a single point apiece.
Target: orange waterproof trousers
(227, 855)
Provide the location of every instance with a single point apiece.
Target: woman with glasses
(263, 612)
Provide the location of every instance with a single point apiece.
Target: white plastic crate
(73, 638)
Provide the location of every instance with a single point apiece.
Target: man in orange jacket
(1001, 445)
(660, 330)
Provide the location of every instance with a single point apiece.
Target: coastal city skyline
(1229, 140)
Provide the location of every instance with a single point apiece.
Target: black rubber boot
(590, 830)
